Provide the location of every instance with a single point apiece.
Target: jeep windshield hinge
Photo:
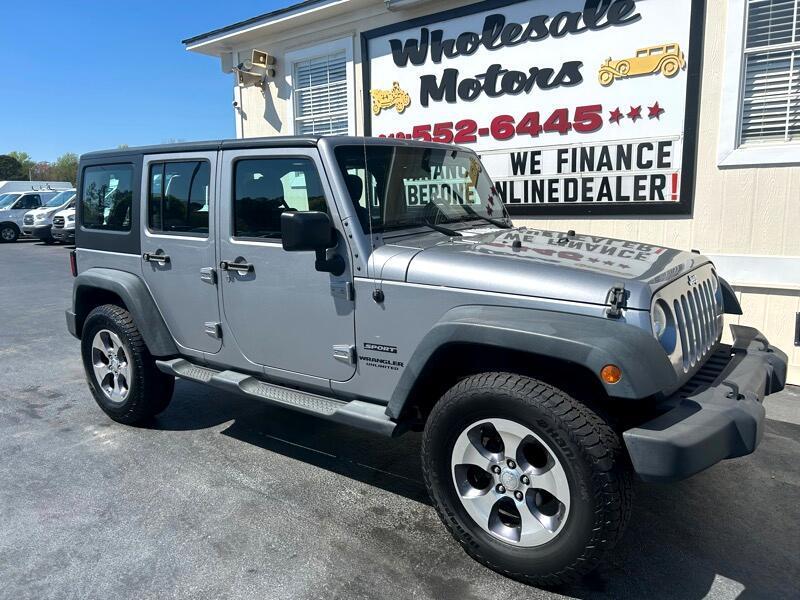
(615, 300)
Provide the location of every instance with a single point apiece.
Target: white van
(39, 221)
(33, 186)
(64, 225)
(13, 206)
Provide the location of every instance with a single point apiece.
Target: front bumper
(715, 416)
(62, 233)
(41, 232)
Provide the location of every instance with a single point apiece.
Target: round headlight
(664, 326)
(659, 320)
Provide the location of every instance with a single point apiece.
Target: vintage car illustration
(666, 59)
(395, 97)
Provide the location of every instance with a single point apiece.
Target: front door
(178, 249)
(25, 203)
(282, 313)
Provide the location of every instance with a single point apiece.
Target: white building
(673, 122)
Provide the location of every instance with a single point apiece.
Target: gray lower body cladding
(722, 417)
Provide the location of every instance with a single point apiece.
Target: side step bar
(356, 413)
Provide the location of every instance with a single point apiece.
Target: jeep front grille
(696, 304)
(58, 222)
(27, 220)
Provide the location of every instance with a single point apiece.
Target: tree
(40, 171)
(65, 168)
(24, 160)
(11, 169)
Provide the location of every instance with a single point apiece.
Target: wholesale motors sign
(574, 106)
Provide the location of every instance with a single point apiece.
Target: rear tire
(8, 233)
(121, 373)
(567, 449)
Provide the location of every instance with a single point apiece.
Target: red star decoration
(616, 116)
(635, 113)
(655, 111)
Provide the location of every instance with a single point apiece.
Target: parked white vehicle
(64, 225)
(13, 207)
(33, 186)
(39, 221)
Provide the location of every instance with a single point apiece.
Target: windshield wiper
(442, 229)
(496, 222)
(473, 213)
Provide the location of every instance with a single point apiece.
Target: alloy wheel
(111, 365)
(510, 482)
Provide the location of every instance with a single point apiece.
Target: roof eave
(225, 38)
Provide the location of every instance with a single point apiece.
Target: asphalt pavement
(224, 497)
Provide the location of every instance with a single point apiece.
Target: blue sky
(91, 74)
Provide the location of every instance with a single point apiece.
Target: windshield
(7, 200)
(413, 186)
(61, 198)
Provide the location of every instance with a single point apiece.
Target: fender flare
(591, 342)
(138, 301)
(730, 302)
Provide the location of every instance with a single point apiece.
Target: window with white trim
(770, 89)
(321, 95)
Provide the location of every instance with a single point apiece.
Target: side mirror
(311, 231)
(306, 231)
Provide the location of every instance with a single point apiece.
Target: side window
(106, 198)
(265, 188)
(29, 201)
(177, 199)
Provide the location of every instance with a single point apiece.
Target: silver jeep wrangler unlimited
(380, 283)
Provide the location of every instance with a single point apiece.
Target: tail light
(73, 263)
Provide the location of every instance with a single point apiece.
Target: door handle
(234, 266)
(158, 258)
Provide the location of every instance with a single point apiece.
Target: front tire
(530, 482)
(8, 233)
(121, 373)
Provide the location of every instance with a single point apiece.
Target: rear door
(282, 313)
(178, 249)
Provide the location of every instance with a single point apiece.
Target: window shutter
(770, 110)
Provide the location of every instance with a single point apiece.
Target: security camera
(235, 104)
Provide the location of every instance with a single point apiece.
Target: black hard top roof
(259, 142)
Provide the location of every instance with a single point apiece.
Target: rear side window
(106, 197)
(177, 200)
(265, 188)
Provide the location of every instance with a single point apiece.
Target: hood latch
(615, 300)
